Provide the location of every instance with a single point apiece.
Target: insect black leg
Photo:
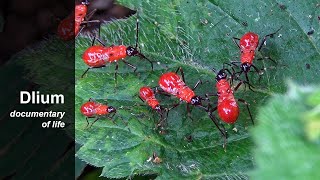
(235, 42)
(100, 41)
(91, 21)
(113, 120)
(93, 40)
(141, 99)
(208, 95)
(116, 72)
(243, 82)
(247, 105)
(82, 27)
(91, 68)
(231, 74)
(237, 87)
(130, 65)
(99, 30)
(162, 92)
(137, 31)
(258, 71)
(189, 112)
(173, 106)
(181, 72)
(235, 63)
(222, 130)
(265, 38)
(268, 58)
(150, 63)
(91, 100)
(144, 57)
(94, 122)
(110, 117)
(87, 123)
(90, 14)
(85, 72)
(162, 119)
(229, 64)
(197, 84)
(246, 75)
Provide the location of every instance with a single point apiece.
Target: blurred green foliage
(287, 135)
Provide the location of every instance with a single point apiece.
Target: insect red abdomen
(116, 53)
(249, 42)
(228, 110)
(88, 109)
(223, 87)
(186, 94)
(171, 83)
(96, 56)
(147, 95)
(247, 57)
(101, 109)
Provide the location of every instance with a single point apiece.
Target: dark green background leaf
(196, 35)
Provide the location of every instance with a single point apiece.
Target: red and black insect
(248, 44)
(146, 94)
(92, 109)
(98, 56)
(71, 26)
(172, 84)
(228, 109)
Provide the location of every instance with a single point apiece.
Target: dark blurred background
(24, 143)
(25, 22)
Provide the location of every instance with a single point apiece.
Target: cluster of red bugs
(171, 84)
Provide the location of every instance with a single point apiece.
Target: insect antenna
(137, 30)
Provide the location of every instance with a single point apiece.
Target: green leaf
(196, 35)
(311, 118)
(286, 125)
(79, 165)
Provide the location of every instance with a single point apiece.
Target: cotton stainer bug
(97, 56)
(71, 26)
(146, 94)
(228, 109)
(248, 44)
(172, 84)
(92, 109)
